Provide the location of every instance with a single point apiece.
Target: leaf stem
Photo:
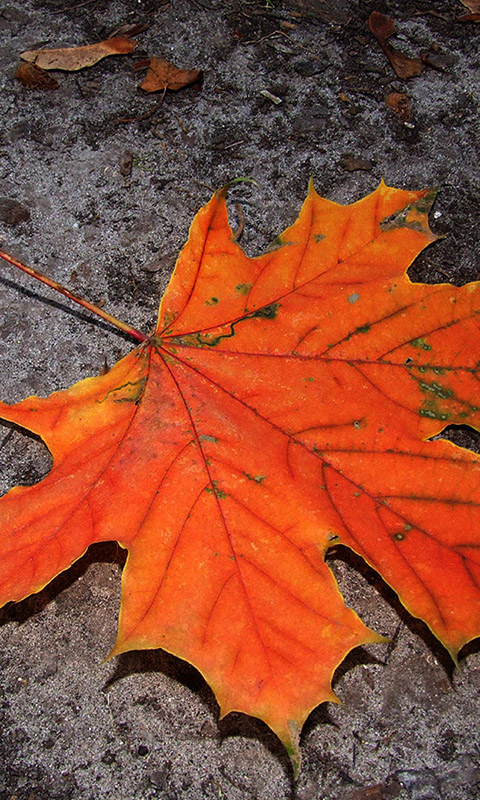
(123, 326)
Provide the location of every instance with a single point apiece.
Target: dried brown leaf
(475, 17)
(34, 77)
(74, 58)
(382, 28)
(472, 5)
(400, 104)
(164, 75)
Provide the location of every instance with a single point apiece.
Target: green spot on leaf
(213, 489)
(130, 392)
(243, 288)
(276, 244)
(420, 344)
(255, 478)
(267, 312)
(435, 388)
(433, 414)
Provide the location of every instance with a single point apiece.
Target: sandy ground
(104, 208)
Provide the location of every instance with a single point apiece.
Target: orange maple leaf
(282, 405)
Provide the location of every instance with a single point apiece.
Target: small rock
(308, 791)
(12, 212)
(126, 164)
(421, 783)
(352, 163)
(14, 15)
(209, 730)
(162, 262)
(312, 123)
(440, 61)
(463, 772)
(108, 757)
(48, 743)
(159, 778)
(50, 668)
(306, 68)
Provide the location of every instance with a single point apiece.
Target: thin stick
(84, 303)
(122, 120)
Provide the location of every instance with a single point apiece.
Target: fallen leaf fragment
(284, 404)
(472, 5)
(164, 75)
(352, 163)
(75, 58)
(383, 28)
(130, 30)
(34, 77)
(400, 104)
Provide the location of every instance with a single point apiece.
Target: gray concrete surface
(144, 725)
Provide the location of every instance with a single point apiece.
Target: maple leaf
(282, 405)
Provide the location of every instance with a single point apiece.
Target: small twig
(203, 185)
(222, 148)
(77, 5)
(147, 114)
(274, 35)
(123, 326)
(6, 438)
(241, 222)
(204, 6)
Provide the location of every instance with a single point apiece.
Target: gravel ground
(288, 92)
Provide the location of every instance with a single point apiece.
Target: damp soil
(291, 89)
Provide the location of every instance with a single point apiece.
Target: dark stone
(159, 777)
(12, 212)
(48, 743)
(306, 68)
(352, 163)
(108, 757)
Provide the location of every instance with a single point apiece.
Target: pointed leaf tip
(293, 748)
